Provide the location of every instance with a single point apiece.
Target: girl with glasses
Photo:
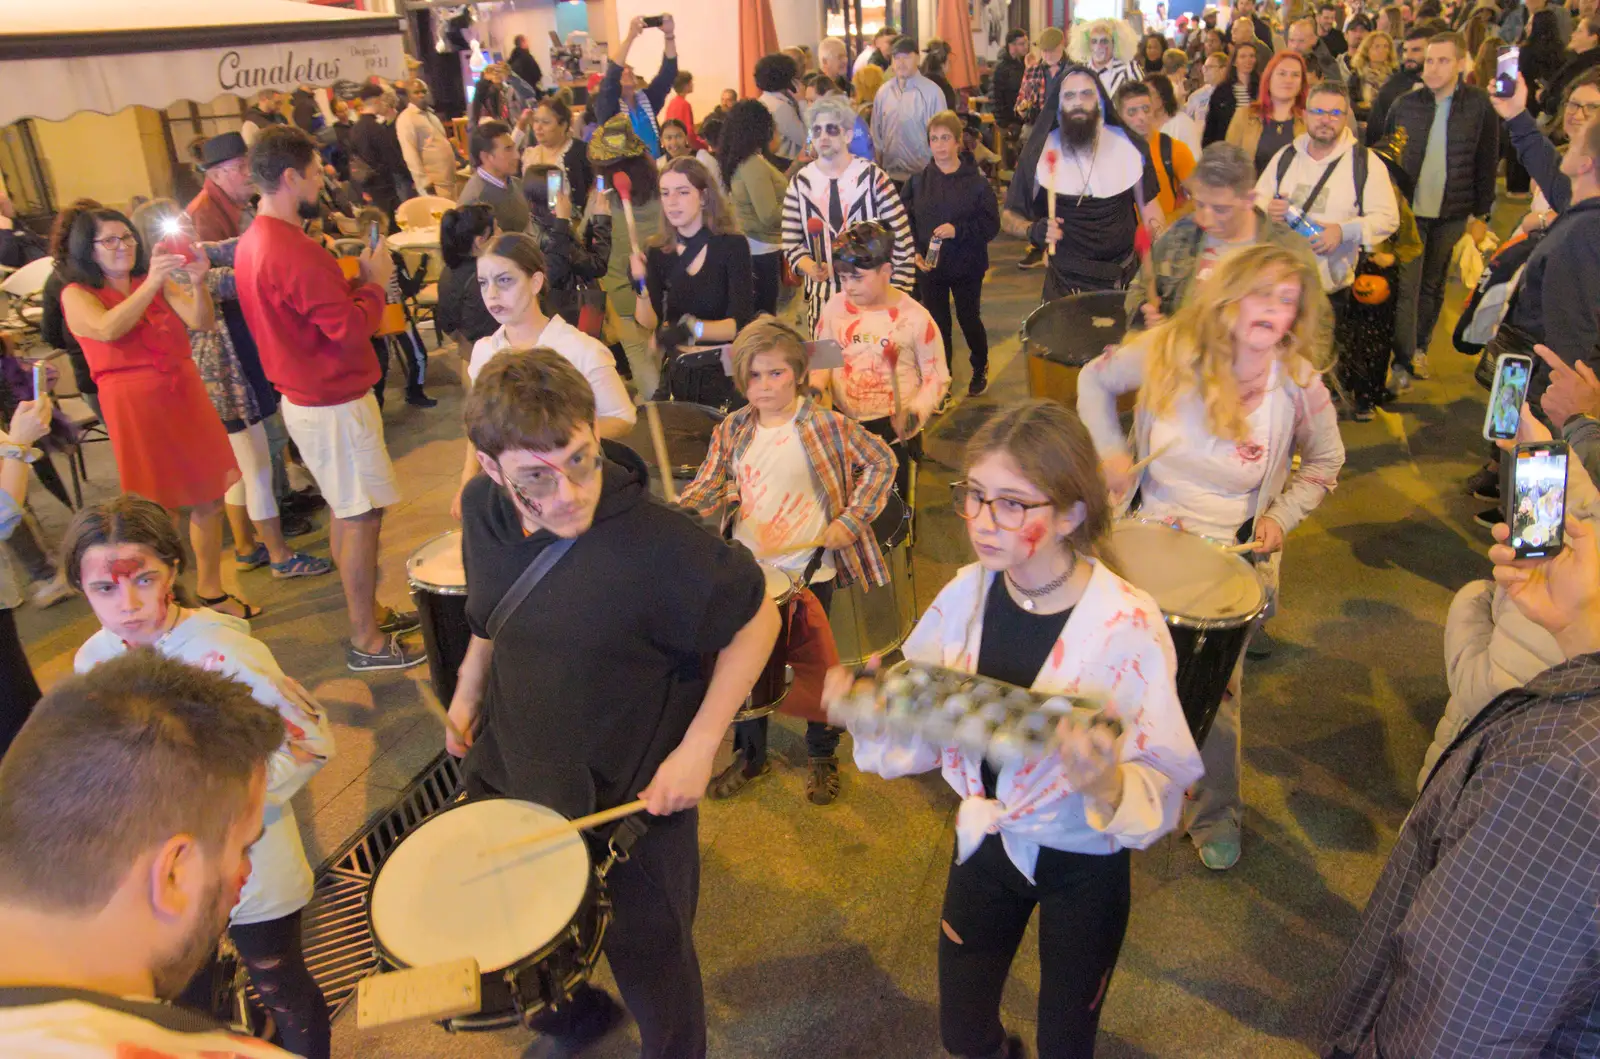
(1041, 608)
(1229, 391)
(132, 312)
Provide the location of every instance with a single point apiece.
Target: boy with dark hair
(586, 683)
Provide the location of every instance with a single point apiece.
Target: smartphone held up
(1536, 502)
(1512, 373)
(1506, 71)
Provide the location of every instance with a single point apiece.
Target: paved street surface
(817, 927)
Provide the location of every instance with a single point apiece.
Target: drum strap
(523, 586)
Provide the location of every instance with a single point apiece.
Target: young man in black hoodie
(596, 688)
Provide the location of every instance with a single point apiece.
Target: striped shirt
(854, 469)
(865, 194)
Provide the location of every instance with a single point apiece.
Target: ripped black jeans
(273, 957)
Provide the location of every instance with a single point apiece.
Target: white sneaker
(47, 594)
(1419, 366)
(1399, 380)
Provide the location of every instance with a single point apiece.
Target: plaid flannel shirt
(1482, 936)
(854, 468)
(1030, 97)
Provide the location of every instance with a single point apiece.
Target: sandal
(822, 785)
(244, 562)
(302, 565)
(736, 777)
(251, 611)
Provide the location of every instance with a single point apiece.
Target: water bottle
(1301, 222)
(932, 256)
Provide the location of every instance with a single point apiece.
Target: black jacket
(1472, 141)
(1556, 301)
(1007, 83)
(378, 145)
(570, 263)
(1334, 41)
(1399, 83)
(525, 66)
(461, 305)
(596, 677)
(963, 199)
(54, 331)
(1220, 111)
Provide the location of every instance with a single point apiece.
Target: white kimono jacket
(280, 878)
(1114, 647)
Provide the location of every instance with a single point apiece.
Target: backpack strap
(1359, 164)
(1285, 160)
(1166, 161)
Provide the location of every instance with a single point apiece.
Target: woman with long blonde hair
(1040, 608)
(1374, 63)
(696, 279)
(1230, 391)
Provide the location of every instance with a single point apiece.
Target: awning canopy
(58, 57)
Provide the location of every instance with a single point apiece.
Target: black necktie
(835, 207)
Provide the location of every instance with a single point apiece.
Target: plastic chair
(422, 211)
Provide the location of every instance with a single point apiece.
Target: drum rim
(1190, 621)
(794, 582)
(417, 584)
(594, 886)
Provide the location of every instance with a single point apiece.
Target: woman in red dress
(130, 311)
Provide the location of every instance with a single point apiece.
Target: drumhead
(437, 898)
(1077, 328)
(1192, 579)
(437, 566)
(780, 586)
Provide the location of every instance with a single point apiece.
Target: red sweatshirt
(313, 327)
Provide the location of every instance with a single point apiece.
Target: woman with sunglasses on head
(696, 282)
(1041, 609)
(1230, 391)
(512, 276)
(132, 312)
(124, 555)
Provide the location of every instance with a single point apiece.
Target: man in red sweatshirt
(314, 330)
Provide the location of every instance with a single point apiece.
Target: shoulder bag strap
(1285, 160)
(523, 586)
(1327, 171)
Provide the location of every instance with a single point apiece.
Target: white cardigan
(1114, 647)
(280, 879)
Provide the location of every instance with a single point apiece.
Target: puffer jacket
(1473, 147)
(1489, 648)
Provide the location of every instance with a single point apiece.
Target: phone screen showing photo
(1505, 72)
(1505, 399)
(1538, 499)
(553, 188)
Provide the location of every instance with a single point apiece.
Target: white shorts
(343, 448)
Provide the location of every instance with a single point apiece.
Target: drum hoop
(596, 888)
(417, 584)
(1189, 621)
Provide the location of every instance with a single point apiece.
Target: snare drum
(1210, 598)
(869, 621)
(687, 430)
(439, 585)
(772, 686)
(533, 917)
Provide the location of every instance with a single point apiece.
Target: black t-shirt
(1275, 136)
(598, 674)
(723, 289)
(1015, 646)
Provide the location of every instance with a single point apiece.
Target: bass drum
(870, 621)
(1061, 336)
(438, 582)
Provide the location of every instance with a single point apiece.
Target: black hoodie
(598, 674)
(962, 199)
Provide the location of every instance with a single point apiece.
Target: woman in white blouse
(1230, 391)
(1040, 608)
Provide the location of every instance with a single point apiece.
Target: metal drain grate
(338, 944)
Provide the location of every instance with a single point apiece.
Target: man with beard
(1104, 184)
(1403, 80)
(263, 115)
(1303, 39)
(127, 805)
(314, 330)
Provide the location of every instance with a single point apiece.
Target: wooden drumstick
(1240, 549)
(571, 827)
(1156, 455)
(1050, 160)
(442, 715)
(806, 547)
(659, 440)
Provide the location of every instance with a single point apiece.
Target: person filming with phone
(575, 256)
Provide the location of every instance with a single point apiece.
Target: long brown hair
(125, 519)
(1193, 352)
(1052, 449)
(715, 213)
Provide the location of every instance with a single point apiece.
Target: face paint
(1032, 534)
(124, 569)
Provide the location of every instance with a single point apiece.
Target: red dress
(169, 444)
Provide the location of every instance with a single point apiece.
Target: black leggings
(1083, 903)
(18, 690)
(768, 270)
(274, 959)
(935, 292)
